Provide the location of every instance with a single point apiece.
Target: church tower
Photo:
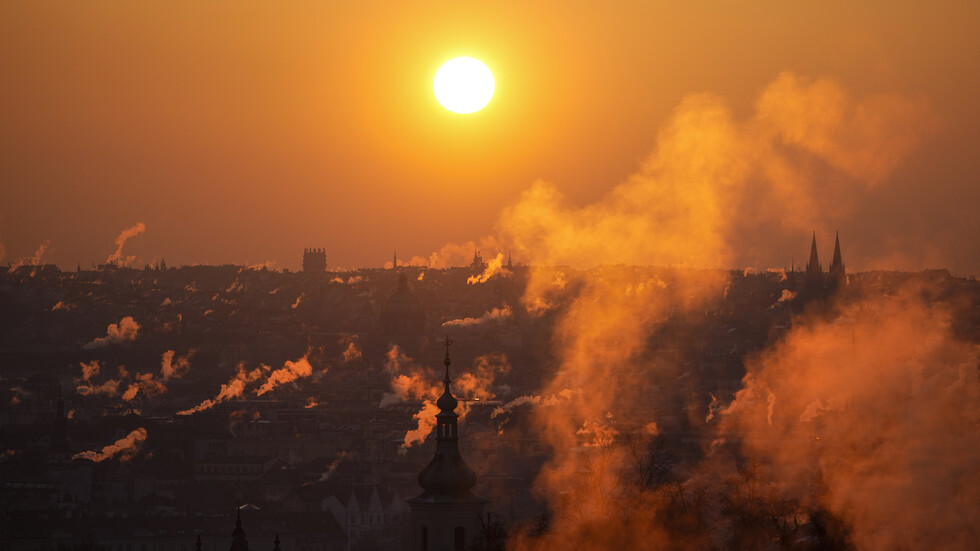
(813, 285)
(238, 541)
(837, 279)
(314, 261)
(445, 517)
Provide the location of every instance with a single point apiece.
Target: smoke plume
(352, 352)
(494, 268)
(86, 387)
(494, 314)
(124, 236)
(146, 385)
(125, 448)
(234, 388)
(171, 368)
(458, 254)
(710, 182)
(125, 330)
(879, 409)
(477, 383)
(34, 260)
(289, 372)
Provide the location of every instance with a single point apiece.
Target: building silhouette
(446, 515)
(314, 261)
(837, 278)
(813, 284)
(816, 283)
(478, 263)
(238, 541)
(403, 320)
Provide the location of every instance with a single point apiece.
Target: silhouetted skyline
(242, 135)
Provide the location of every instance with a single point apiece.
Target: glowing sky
(244, 133)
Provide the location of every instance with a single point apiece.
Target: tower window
(460, 537)
(425, 539)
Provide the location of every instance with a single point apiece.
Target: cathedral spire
(814, 263)
(837, 277)
(837, 261)
(394, 260)
(813, 284)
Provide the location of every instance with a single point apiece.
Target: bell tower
(446, 515)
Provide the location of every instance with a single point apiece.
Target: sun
(463, 85)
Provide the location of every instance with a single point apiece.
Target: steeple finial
(447, 342)
(837, 260)
(238, 541)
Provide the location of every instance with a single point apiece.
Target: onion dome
(447, 477)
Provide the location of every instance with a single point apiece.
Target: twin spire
(817, 283)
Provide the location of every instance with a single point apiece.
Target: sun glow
(463, 85)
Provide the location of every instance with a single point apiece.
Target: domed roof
(403, 303)
(447, 402)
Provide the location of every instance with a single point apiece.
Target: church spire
(814, 263)
(447, 513)
(837, 277)
(394, 260)
(238, 541)
(813, 284)
(447, 475)
(837, 261)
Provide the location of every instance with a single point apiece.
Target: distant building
(816, 283)
(403, 320)
(314, 261)
(813, 284)
(238, 541)
(837, 278)
(447, 514)
(477, 263)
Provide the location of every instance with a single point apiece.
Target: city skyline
(243, 135)
(599, 205)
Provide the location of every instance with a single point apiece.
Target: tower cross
(447, 342)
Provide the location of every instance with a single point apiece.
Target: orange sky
(242, 133)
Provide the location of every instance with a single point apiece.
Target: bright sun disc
(463, 85)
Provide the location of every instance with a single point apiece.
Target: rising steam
(686, 209)
(880, 408)
(124, 331)
(124, 236)
(125, 448)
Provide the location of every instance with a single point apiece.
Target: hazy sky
(244, 132)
